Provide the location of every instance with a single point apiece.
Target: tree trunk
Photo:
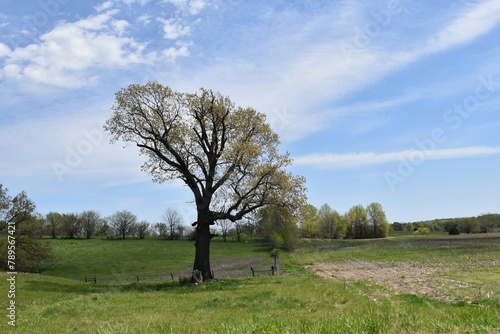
(202, 244)
(238, 234)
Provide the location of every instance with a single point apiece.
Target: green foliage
(454, 230)
(226, 155)
(357, 222)
(90, 222)
(489, 222)
(470, 225)
(71, 225)
(309, 221)
(421, 231)
(278, 226)
(378, 224)
(54, 224)
(369, 222)
(329, 221)
(481, 224)
(123, 222)
(276, 240)
(20, 230)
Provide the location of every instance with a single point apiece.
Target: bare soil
(421, 279)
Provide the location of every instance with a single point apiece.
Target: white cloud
(172, 53)
(196, 6)
(330, 160)
(69, 146)
(145, 19)
(4, 50)
(173, 29)
(299, 66)
(474, 22)
(96, 22)
(120, 26)
(104, 6)
(193, 7)
(130, 2)
(68, 53)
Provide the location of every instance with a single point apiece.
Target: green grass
(294, 302)
(121, 260)
(437, 248)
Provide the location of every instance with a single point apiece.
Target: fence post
(172, 275)
(95, 280)
(272, 270)
(137, 278)
(253, 272)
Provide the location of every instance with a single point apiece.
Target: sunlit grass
(121, 260)
(296, 301)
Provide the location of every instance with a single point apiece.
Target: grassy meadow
(425, 284)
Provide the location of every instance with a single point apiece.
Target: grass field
(435, 284)
(150, 259)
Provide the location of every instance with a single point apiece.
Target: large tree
(71, 225)
(377, 219)
(309, 221)
(90, 221)
(329, 222)
(54, 223)
(358, 222)
(173, 221)
(226, 155)
(123, 222)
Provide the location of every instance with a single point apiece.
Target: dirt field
(426, 280)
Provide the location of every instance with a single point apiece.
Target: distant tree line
(22, 230)
(122, 224)
(282, 228)
(481, 224)
(358, 223)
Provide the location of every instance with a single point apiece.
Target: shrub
(454, 230)
(421, 231)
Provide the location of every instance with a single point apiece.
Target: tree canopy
(226, 155)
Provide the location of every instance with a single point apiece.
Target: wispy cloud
(331, 161)
(67, 147)
(303, 83)
(472, 22)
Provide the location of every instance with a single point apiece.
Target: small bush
(421, 231)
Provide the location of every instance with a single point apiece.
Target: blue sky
(390, 101)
